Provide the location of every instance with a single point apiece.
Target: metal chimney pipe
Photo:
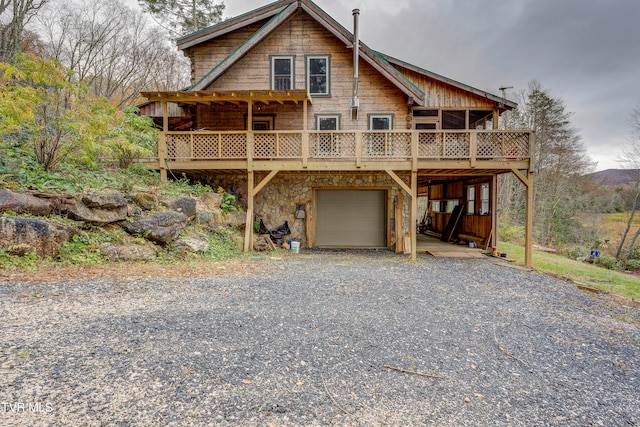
(356, 58)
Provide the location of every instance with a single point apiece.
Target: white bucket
(295, 247)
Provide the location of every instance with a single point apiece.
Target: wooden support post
(528, 244)
(414, 214)
(305, 136)
(162, 144)
(398, 218)
(493, 239)
(473, 148)
(248, 231)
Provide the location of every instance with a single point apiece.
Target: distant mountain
(613, 177)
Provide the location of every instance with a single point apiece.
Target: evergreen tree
(184, 16)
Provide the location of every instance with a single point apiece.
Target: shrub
(575, 252)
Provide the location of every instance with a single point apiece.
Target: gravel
(358, 338)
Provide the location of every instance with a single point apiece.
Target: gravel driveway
(320, 338)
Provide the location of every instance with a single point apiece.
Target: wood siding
(472, 224)
(442, 95)
(301, 36)
(204, 57)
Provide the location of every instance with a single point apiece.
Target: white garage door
(351, 218)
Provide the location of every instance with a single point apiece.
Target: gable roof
(280, 11)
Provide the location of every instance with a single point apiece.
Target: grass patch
(615, 282)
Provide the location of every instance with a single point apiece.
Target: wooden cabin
(313, 127)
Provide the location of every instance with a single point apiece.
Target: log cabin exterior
(313, 127)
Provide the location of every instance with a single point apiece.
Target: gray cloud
(586, 52)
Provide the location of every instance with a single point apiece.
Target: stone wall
(276, 202)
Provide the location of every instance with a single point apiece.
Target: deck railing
(349, 145)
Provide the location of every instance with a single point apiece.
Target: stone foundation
(276, 202)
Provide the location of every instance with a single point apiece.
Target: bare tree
(14, 17)
(630, 159)
(111, 47)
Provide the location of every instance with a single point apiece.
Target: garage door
(351, 218)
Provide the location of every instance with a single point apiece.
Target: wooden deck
(347, 150)
(436, 247)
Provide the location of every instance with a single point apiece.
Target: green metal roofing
(254, 35)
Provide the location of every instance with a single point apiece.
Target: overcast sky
(586, 52)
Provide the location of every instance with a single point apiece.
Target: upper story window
(282, 72)
(318, 69)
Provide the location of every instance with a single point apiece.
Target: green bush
(575, 252)
(609, 262)
(633, 264)
(511, 234)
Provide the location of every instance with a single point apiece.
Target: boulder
(131, 252)
(214, 218)
(161, 228)
(146, 201)
(23, 203)
(198, 243)
(99, 209)
(185, 205)
(235, 219)
(112, 201)
(45, 238)
(212, 200)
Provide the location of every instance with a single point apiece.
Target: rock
(146, 201)
(212, 200)
(161, 228)
(23, 203)
(96, 216)
(132, 252)
(45, 238)
(99, 209)
(104, 201)
(235, 219)
(197, 243)
(185, 205)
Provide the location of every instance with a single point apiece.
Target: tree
(112, 48)
(560, 159)
(14, 17)
(184, 16)
(630, 159)
(40, 105)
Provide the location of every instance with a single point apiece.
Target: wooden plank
(451, 225)
(398, 218)
(247, 46)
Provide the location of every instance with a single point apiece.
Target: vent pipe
(355, 102)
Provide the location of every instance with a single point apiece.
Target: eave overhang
(231, 96)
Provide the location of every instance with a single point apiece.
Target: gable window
(318, 68)
(282, 72)
(471, 200)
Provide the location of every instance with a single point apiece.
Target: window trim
(485, 201)
(372, 116)
(272, 77)
(319, 117)
(307, 76)
(471, 199)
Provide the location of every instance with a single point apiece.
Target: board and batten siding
(442, 95)
(300, 36)
(206, 56)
